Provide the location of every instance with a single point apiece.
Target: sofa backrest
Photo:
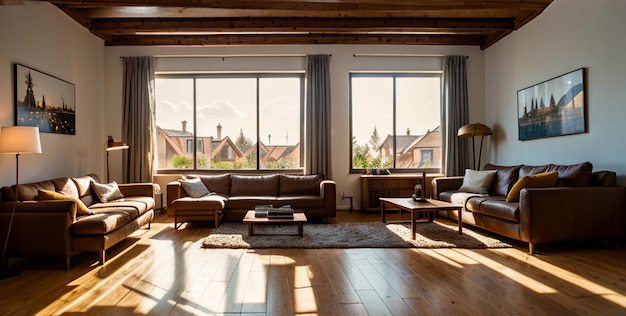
(75, 187)
(254, 185)
(297, 184)
(85, 192)
(504, 179)
(569, 175)
(218, 183)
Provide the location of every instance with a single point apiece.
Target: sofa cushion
(300, 201)
(219, 183)
(107, 192)
(195, 188)
(133, 206)
(295, 184)
(81, 208)
(104, 220)
(248, 202)
(540, 180)
(477, 181)
(530, 170)
(505, 178)
(494, 206)
(254, 185)
(574, 175)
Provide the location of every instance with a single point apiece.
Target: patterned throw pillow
(477, 181)
(81, 208)
(195, 188)
(539, 180)
(107, 192)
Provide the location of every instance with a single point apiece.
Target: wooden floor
(162, 271)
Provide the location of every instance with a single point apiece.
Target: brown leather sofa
(52, 228)
(232, 195)
(584, 205)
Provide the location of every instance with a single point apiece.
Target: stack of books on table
(269, 211)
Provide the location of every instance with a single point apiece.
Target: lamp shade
(475, 129)
(113, 145)
(20, 140)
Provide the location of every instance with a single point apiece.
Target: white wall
(342, 62)
(570, 34)
(40, 36)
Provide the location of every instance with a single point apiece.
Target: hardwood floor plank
(162, 271)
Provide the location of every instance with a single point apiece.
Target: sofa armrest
(571, 213)
(40, 228)
(328, 192)
(48, 206)
(442, 184)
(174, 191)
(137, 189)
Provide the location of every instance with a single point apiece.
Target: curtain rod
(398, 55)
(230, 56)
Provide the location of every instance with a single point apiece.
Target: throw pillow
(81, 208)
(477, 181)
(195, 188)
(107, 192)
(540, 180)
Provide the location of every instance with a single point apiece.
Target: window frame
(247, 75)
(394, 75)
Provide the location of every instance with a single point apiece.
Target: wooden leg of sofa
(67, 263)
(531, 248)
(102, 257)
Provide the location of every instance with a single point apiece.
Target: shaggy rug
(355, 235)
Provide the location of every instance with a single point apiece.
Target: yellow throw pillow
(539, 180)
(81, 208)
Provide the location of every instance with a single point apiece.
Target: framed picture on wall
(44, 101)
(554, 107)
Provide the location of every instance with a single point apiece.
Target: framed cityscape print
(44, 101)
(554, 107)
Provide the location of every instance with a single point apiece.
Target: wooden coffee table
(298, 219)
(430, 206)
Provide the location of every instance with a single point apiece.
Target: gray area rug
(354, 235)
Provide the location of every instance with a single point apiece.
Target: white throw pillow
(107, 192)
(195, 188)
(477, 181)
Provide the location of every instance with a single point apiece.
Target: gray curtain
(138, 118)
(317, 157)
(455, 113)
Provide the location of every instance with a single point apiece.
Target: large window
(395, 121)
(224, 121)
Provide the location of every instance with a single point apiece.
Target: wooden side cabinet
(376, 186)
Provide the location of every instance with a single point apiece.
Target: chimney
(219, 131)
(184, 126)
(408, 131)
(269, 139)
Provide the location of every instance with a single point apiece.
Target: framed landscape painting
(44, 101)
(554, 107)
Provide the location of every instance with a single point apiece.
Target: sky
(232, 104)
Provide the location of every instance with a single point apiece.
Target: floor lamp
(111, 146)
(472, 130)
(16, 140)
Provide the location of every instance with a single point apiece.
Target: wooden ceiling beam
(319, 5)
(453, 26)
(212, 40)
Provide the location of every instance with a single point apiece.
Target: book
(269, 211)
